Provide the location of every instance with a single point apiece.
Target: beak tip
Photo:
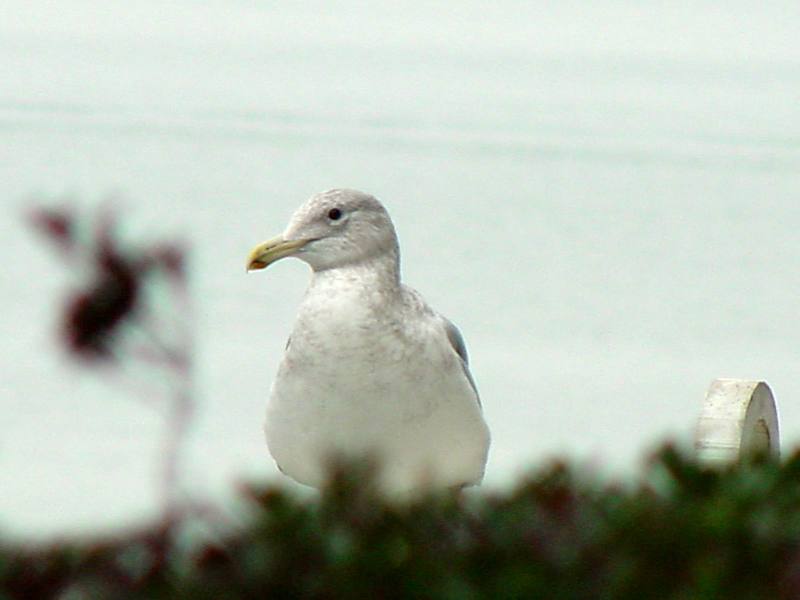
(255, 265)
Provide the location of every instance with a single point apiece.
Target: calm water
(604, 199)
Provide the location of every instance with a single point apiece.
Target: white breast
(352, 385)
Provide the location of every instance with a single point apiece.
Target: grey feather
(457, 342)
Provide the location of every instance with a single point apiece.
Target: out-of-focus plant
(110, 318)
(678, 532)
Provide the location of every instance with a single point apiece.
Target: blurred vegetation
(677, 531)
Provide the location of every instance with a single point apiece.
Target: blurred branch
(115, 301)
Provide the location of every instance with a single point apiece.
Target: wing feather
(458, 344)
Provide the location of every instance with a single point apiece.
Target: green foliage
(680, 532)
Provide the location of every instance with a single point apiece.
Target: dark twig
(114, 300)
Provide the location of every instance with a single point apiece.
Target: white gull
(370, 369)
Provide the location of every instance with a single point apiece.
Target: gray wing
(457, 342)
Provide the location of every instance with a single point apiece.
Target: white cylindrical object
(739, 419)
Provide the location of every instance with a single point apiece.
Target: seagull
(370, 370)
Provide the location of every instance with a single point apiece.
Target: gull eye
(334, 214)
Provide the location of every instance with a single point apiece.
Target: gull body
(370, 370)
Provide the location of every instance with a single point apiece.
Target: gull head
(333, 229)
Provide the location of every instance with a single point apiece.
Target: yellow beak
(267, 253)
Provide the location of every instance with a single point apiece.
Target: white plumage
(370, 368)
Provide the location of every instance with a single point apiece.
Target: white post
(739, 419)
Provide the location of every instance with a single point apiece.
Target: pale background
(604, 197)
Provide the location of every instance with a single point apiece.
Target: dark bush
(679, 532)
